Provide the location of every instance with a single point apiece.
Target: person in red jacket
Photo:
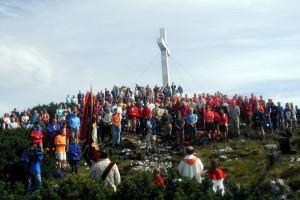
(157, 178)
(182, 107)
(132, 114)
(143, 117)
(217, 176)
(37, 135)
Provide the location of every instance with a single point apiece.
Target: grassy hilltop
(245, 163)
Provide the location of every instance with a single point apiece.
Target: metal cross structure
(165, 53)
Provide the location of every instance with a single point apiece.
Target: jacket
(37, 134)
(73, 149)
(32, 159)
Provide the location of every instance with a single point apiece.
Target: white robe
(192, 167)
(218, 185)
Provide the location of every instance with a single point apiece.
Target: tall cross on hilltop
(165, 53)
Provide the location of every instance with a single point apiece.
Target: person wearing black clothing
(268, 123)
(258, 120)
(273, 115)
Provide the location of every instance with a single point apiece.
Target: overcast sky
(49, 49)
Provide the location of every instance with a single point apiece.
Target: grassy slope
(247, 165)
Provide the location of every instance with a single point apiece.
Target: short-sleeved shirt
(60, 143)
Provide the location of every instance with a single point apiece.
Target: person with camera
(31, 158)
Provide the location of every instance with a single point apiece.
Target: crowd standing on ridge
(146, 113)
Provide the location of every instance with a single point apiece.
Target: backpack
(59, 174)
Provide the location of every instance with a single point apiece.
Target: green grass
(247, 163)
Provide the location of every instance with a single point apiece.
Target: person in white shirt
(5, 121)
(191, 166)
(13, 124)
(112, 176)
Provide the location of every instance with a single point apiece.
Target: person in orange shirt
(116, 127)
(60, 147)
(67, 133)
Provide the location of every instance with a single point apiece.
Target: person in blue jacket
(31, 158)
(53, 131)
(74, 155)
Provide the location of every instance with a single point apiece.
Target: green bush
(139, 186)
(13, 143)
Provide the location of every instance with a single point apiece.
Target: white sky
(49, 49)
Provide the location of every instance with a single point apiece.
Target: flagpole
(92, 101)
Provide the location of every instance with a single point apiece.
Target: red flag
(90, 150)
(85, 126)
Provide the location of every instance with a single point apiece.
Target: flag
(88, 129)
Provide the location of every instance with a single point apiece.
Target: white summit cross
(165, 53)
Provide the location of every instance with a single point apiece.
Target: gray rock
(271, 147)
(281, 197)
(280, 182)
(126, 150)
(275, 189)
(223, 158)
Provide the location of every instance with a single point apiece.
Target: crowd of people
(148, 112)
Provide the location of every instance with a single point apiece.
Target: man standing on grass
(234, 119)
(60, 144)
(74, 125)
(105, 170)
(191, 166)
